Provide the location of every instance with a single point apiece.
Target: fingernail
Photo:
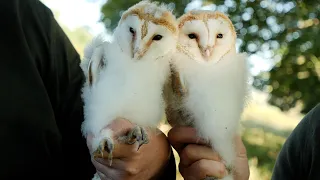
(224, 170)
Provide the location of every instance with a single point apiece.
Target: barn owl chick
(208, 85)
(125, 77)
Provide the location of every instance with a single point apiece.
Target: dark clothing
(41, 106)
(299, 158)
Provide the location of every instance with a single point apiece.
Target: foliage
(262, 147)
(284, 32)
(79, 37)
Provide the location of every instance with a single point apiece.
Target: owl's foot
(136, 134)
(106, 145)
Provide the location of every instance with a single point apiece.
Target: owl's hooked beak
(207, 52)
(136, 53)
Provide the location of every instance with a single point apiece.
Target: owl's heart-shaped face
(147, 31)
(206, 36)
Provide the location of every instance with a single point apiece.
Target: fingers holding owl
(128, 162)
(199, 161)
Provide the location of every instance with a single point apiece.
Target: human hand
(128, 163)
(197, 160)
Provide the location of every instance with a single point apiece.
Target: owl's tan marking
(177, 86)
(167, 20)
(173, 93)
(90, 73)
(145, 49)
(205, 16)
(144, 29)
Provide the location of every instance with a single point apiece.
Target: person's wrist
(162, 157)
(168, 172)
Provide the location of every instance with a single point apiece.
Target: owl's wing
(94, 58)
(174, 92)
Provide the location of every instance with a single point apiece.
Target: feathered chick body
(208, 86)
(125, 77)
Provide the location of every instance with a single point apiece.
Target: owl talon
(229, 169)
(136, 134)
(106, 145)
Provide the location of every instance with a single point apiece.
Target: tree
(286, 32)
(78, 36)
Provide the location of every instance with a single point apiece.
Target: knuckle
(171, 136)
(188, 151)
(201, 164)
(131, 170)
(185, 155)
(204, 168)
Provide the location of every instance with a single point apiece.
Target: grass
(262, 150)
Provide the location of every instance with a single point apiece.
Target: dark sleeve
(42, 110)
(64, 84)
(299, 157)
(63, 79)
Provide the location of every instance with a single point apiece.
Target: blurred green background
(283, 39)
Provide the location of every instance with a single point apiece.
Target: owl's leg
(136, 134)
(103, 143)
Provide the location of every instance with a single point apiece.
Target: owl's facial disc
(207, 49)
(207, 36)
(142, 39)
(147, 31)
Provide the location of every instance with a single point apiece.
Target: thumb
(241, 171)
(240, 148)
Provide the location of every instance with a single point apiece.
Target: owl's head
(206, 36)
(147, 30)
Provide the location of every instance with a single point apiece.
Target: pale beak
(207, 52)
(135, 52)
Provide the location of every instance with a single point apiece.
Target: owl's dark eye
(157, 37)
(131, 30)
(192, 36)
(220, 36)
